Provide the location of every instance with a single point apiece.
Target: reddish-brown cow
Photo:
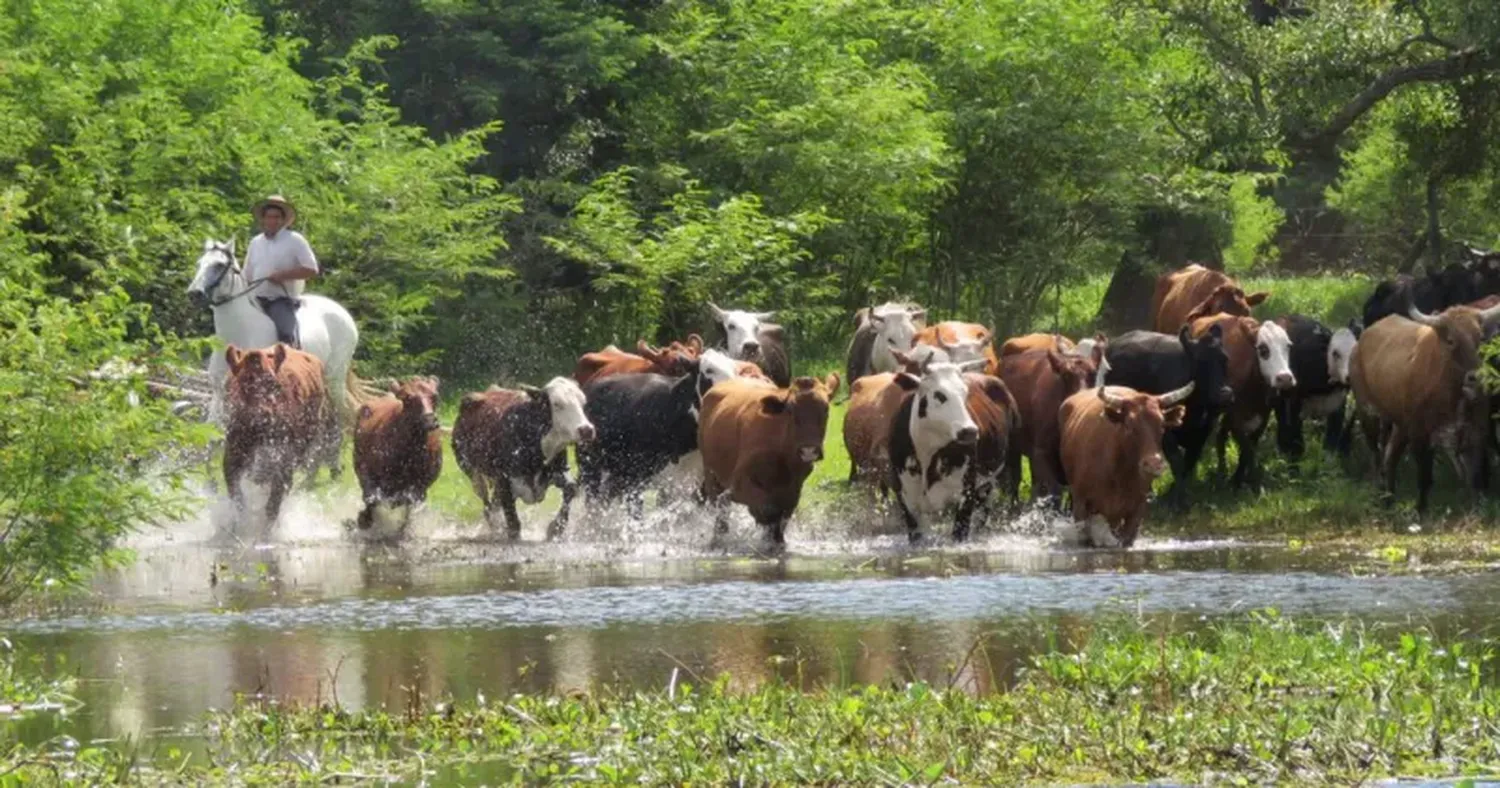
(1111, 453)
(961, 342)
(278, 415)
(759, 445)
(1187, 294)
(398, 450)
(672, 361)
(873, 402)
(1029, 342)
(1040, 380)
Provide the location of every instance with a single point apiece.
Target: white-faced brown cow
(513, 444)
(748, 337)
(278, 415)
(1419, 378)
(759, 445)
(880, 332)
(1260, 364)
(398, 452)
(1111, 453)
(948, 443)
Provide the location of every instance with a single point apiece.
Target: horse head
(215, 267)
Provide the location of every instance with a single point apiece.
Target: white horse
(325, 328)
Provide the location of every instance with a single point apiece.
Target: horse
(325, 328)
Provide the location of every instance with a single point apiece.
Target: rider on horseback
(281, 260)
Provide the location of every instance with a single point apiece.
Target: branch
(1463, 62)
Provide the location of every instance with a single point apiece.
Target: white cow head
(1273, 351)
(716, 367)
(565, 401)
(741, 330)
(1340, 348)
(966, 349)
(939, 412)
(895, 329)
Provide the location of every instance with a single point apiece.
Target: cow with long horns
(1418, 376)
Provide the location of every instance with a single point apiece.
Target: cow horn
(718, 313)
(1487, 316)
(1110, 400)
(1421, 317)
(1171, 398)
(763, 316)
(971, 365)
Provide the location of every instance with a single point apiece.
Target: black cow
(1458, 283)
(1320, 361)
(642, 423)
(1155, 363)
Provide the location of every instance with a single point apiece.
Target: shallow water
(314, 618)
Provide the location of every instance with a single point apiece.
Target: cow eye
(890, 340)
(1265, 351)
(1336, 355)
(941, 397)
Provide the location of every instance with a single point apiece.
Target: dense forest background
(496, 186)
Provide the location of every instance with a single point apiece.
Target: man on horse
(281, 260)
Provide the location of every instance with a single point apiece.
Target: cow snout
(810, 453)
(198, 298)
(968, 436)
(749, 349)
(1154, 465)
(1285, 380)
(430, 421)
(585, 433)
(1225, 397)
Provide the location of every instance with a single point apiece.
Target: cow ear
(832, 382)
(279, 357)
(434, 382)
(231, 248)
(695, 344)
(772, 404)
(1216, 332)
(533, 392)
(907, 381)
(1173, 417)
(772, 331)
(918, 316)
(1255, 299)
(365, 412)
(646, 351)
(1056, 361)
(235, 357)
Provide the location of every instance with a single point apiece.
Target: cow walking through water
(880, 333)
(512, 444)
(1040, 380)
(759, 445)
(278, 414)
(1111, 453)
(748, 337)
(398, 451)
(1418, 376)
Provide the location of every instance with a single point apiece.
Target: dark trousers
(283, 312)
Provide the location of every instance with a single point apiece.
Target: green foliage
(1256, 698)
(1255, 220)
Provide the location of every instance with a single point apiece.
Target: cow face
(1143, 419)
(714, 367)
(1456, 284)
(969, 344)
(1340, 349)
(741, 331)
(1273, 353)
(895, 330)
(939, 415)
(252, 376)
(569, 423)
(1461, 330)
(1228, 298)
(1210, 363)
(806, 402)
(418, 398)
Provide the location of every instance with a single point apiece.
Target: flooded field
(314, 618)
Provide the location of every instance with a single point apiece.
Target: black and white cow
(1320, 360)
(645, 424)
(948, 444)
(748, 337)
(880, 332)
(513, 444)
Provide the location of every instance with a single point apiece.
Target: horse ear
(208, 244)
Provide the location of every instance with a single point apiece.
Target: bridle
(224, 269)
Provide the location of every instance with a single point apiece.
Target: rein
(249, 288)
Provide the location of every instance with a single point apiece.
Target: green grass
(1256, 698)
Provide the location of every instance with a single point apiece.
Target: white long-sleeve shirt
(288, 250)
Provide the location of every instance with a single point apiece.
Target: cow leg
(1395, 444)
(1422, 452)
(1289, 427)
(913, 532)
(1044, 476)
(1222, 444)
(1335, 436)
(236, 463)
(1130, 529)
(774, 532)
(281, 481)
(564, 482)
(1184, 460)
(965, 514)
(1011, 483)
(713, 495)
(481, 486)
(507, 501)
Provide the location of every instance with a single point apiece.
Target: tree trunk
(1434, 228)
(1170, 240)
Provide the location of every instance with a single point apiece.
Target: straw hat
(276, 201)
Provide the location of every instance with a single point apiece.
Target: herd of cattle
(939, 416)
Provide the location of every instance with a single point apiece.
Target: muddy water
(189, 625)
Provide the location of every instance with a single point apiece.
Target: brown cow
(961, 343)
(278, 415)
(873, 402)
(398, 449)
(759, 445)
(1187, 294)
(1029, 342)
(671, 361)
(1419, 378)
(1111, 453)
(1040, 380)
(1260, 363)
